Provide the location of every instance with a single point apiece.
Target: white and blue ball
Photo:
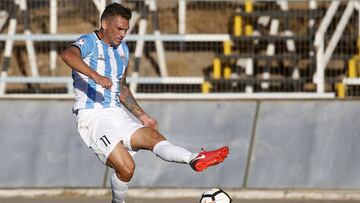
(215, 195)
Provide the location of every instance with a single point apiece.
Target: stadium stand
(192, 46)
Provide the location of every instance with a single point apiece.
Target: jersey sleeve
(85, 44)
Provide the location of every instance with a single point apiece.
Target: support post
(8, 48)
(352, 68)
(249, 71)
(248, 26)
(29, 43)
(182, 17)
(237, 25)
(341, 90)
(227, 51)
(205, 87)
(216, 68)
(274, 27)
(139, 48)
(53, 30)
(158, 43)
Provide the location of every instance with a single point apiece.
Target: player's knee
(126, 172)
(146, 138)
(129, 172)
(155, 135)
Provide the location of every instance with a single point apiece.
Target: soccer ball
(215, 195)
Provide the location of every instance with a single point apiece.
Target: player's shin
(172, 153)
(119, 189)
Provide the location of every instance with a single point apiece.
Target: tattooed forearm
(128, 100)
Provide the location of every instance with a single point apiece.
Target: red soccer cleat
(209, 158)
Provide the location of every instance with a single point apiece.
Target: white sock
(118, 188)
(172, 153)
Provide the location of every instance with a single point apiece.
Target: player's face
(115, 30)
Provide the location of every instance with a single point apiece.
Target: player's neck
(101, 36)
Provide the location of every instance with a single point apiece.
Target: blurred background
(276, 81)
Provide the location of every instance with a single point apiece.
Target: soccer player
(98, 61)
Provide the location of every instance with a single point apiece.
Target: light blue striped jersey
(108, 61)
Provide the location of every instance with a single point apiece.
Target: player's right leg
(107, 134)
(122, 162)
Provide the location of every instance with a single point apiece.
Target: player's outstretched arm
(72, 57)
(128, 100)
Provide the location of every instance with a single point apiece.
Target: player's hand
(103, 81)
(149, 121)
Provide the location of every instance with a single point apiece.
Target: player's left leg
(150, 139)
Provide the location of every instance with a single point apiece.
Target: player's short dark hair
(115, 9)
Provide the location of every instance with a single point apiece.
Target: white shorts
(102, 129)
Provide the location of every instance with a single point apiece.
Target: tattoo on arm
(128, 100)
